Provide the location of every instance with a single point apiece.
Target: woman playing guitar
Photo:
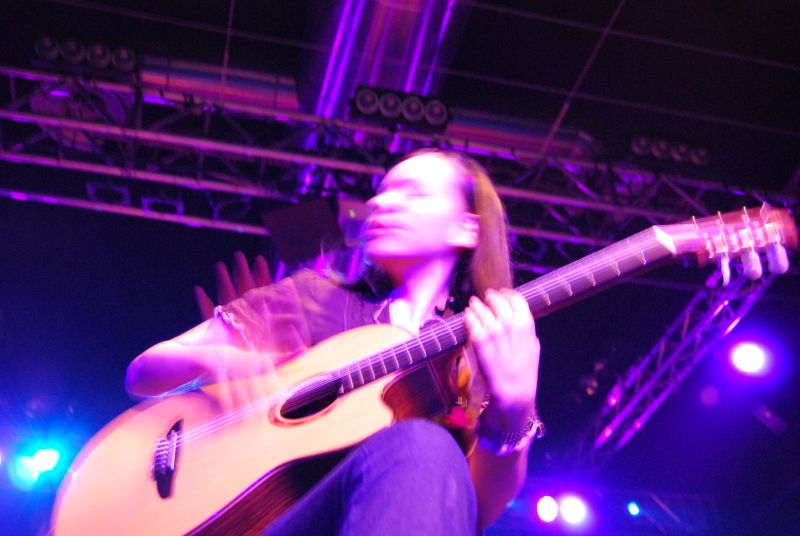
(435, 240)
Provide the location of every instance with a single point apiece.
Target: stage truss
(200, 154)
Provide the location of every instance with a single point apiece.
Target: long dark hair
(488, 265)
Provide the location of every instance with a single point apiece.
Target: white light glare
(749, 358)
(573, 510)
(547, 509)
(45, 459)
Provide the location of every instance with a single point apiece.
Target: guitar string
(530, 291)
(535, 288)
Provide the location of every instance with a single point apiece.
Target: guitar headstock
(743, 234)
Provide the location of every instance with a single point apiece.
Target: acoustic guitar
(180, 465)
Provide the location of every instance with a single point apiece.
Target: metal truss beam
(708, 318)
(196, 149)
(597, 203)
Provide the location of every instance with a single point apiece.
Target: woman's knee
(422, 444)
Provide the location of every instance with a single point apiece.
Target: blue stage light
(46, 459)
(633, 509)
(22, 472)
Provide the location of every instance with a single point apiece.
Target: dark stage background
(83, 292)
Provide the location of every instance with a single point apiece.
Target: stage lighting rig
(73, 56)
(395, 108)
(98, 55)
(660, 148)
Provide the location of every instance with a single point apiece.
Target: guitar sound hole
(310, 400)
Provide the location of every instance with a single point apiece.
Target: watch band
(503, 444)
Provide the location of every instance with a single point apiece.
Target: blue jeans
(411, 478)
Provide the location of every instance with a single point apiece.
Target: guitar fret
(361, 376)
(368, 368)
(424, 352)
(450, 330)
(438, 344)
(396, 362)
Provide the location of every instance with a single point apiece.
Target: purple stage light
(547, 509)
(573, 510)
(750, 358)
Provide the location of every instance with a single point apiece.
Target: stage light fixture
(633, 509)
(436, 113)
(390, 105)
(46, 48)
(98, 55)
(547, 509)
(72, 51)
(573, 510)
(22, 472)
(124, 59)
(366, 101)
(660, 149)
(680, 152)
(640, 145)
(394, 108)
(413, 109)
(700, 156)
(46, 459)
(749, 358)
(663, 148)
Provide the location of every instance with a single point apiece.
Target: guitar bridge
(165, 460)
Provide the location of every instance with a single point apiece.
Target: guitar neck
(544, 295)
(577, 280)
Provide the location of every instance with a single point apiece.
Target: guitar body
(235, 472)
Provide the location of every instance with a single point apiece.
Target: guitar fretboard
(544, 295)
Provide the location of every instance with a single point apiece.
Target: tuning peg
(725, 269)
(777, 259)
(751, 264)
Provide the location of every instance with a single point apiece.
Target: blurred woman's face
(418, 212)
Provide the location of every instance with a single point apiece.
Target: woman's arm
(213, 351)
(207, 353)
(503, 336)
